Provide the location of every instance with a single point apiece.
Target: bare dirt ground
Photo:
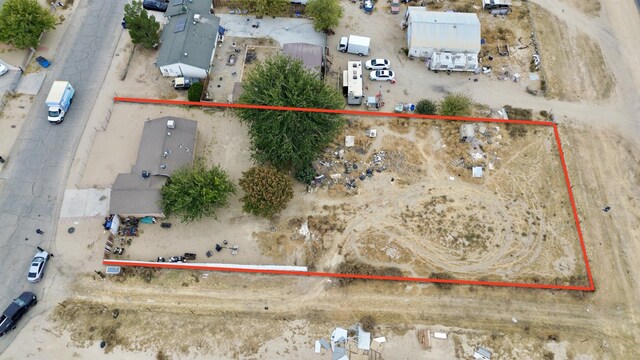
(198, 315)
(573, 63)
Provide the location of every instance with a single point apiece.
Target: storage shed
(431, 31)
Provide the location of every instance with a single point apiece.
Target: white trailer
(443, 61)
(352, 84)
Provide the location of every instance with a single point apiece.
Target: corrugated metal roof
(452, 31)
(196, 40)
(311, 55)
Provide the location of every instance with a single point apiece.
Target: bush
(426, 107)
(267, 191)
(442, 276)
(195, 92)
(456, 104)
(368, 322)
(192, 193)
(360, 268)
(306, 174)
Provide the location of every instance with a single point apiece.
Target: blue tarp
(221, 30)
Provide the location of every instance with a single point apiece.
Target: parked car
(14, 312)
(382, 75)
(395, 6)
(3, 69)
(154, 5)
(37, 265)
(378, 64)
(43, 61)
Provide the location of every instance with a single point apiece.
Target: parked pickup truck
(183, 83)
(58, 101)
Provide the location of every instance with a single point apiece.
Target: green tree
(289, 139)
(197, 191)
(195, 92)
(23, 21)
(325, 14)
(264, 7)
(267, 191)
(426, 107)
(143, 28)
(456, 104)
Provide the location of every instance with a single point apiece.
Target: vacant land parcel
(425, 198)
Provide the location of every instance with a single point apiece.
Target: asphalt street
(33, 181)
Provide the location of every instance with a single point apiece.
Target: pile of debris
(351, 344)
(482, 141)
(347, 164)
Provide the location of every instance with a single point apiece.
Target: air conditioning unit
(171, 124)
(197, 17)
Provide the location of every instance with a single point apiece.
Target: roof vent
(171, 124)
(197, 17)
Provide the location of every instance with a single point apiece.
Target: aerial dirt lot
(147, 314)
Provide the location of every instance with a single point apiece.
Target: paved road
(32, 184)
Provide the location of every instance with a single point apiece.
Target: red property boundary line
(591, 286)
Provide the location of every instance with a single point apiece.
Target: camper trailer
(352, 83)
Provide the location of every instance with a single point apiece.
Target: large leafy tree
(197, 191)
(325, 14)
(264, 7)
(143, 28)
(267, 191)
(289, 139)
(23, 21)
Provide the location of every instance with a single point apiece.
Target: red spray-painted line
(330, 111)
(591, 286)
(573, 207)
(336, 275)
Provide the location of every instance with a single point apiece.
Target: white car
(37, 265)
(3, 69)
(382, 75)
(378, 64)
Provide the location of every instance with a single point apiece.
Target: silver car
(37, 265)
(3, 69)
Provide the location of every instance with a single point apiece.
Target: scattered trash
(71, 230)
(440, 335)
(606, 208)
(424, 338)
(515, 321)
(482, 354)
(349, 141)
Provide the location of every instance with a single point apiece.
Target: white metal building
(431, 31)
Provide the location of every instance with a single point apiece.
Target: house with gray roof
(188, 40)
(167, 144)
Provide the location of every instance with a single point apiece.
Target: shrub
(442, 276)
(426, 107)
(195, 92)
(456, 104)
(267, 191)
(306, 174)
